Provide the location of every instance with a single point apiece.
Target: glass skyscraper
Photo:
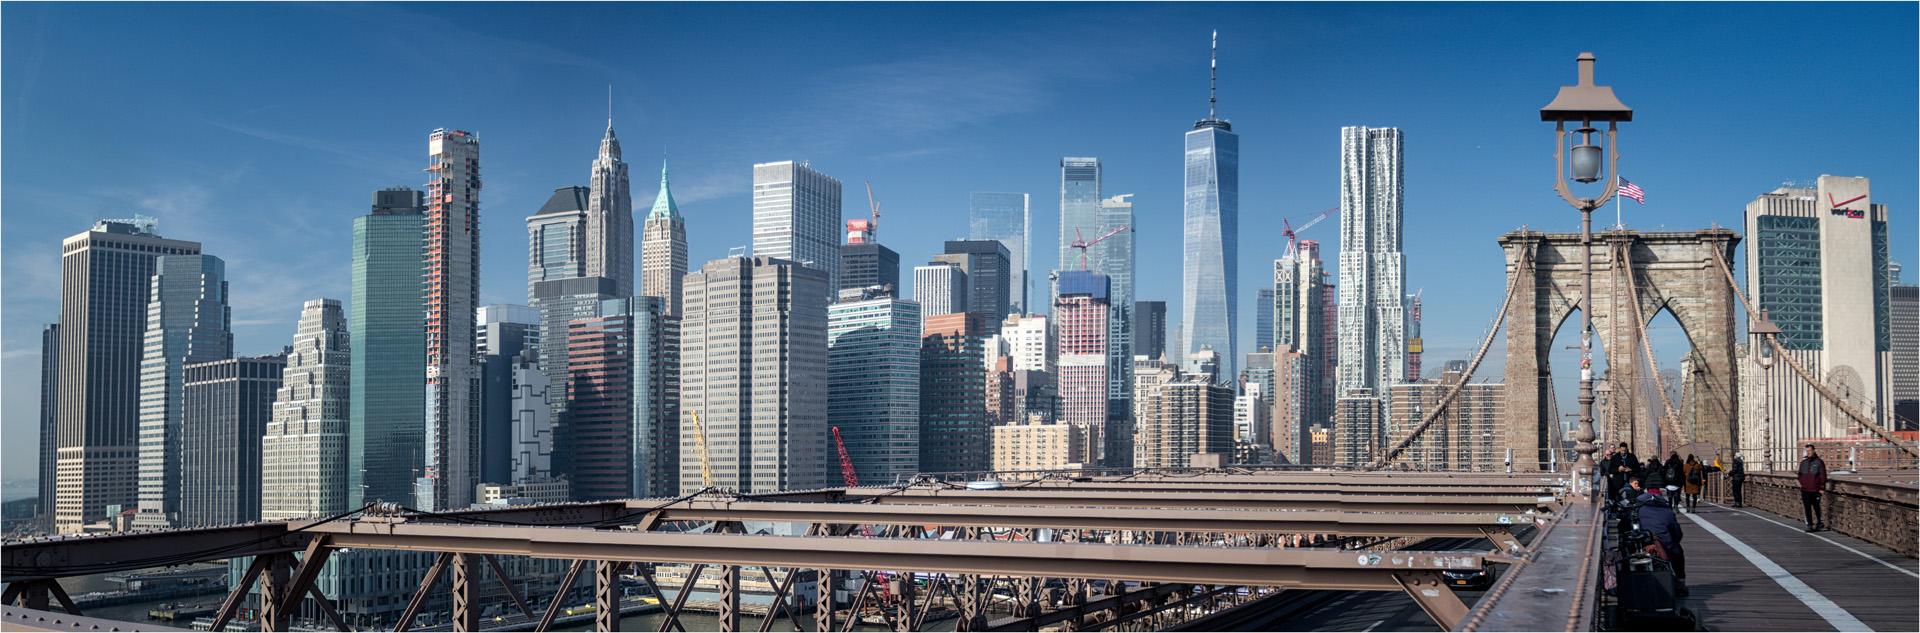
(1004, 217)
(873, 384)
(557, 238)
(1079, 208)
(1210, 278)
(386, 409)
(188, 321)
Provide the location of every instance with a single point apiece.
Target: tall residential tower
(453, 292)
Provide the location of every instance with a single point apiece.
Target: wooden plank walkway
(1875, 586)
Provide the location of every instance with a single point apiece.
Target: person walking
(1653, 477)
(1736, 476)
(1675, 474)
(1695, 477)
(1813, 481)
(1656, 517)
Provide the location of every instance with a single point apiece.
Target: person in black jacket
(1736, 476)
(1653, 476)
(1675, 472)
(1656, 517)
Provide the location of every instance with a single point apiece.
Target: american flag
(1631, 190)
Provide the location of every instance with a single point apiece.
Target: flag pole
(1616, 204)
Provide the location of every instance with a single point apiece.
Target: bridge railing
(1878, 507)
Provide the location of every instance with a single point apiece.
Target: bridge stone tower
(1672, 271)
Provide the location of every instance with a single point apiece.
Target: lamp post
(1763, 356)
(1585, 104)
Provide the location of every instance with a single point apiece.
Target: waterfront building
(1004, 217)
(303, 456)
(188, 321)
(663, 248)
(386, 409)
(796, 217)
(873, 384)
(226, 407)
(452, 459)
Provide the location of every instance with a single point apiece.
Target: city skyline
(204, 199)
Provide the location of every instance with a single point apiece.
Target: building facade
(954, 435)
(873, 384)
(1373, 330)
(663, 249)
(106, 278)
(49, 429)
(1150, 329)
(610, 217)
(532, 458)
(754, 369)
(1904, 337)
(1817, 261)
(988, 268)
(561, 302)
(1210, 273)
(1037, 445)
(452, 459)
(1081, 313)
(1357, 429)
(866, 265)
(227, 405)
(940, 288)
(1194, 414)
(796, 217)
(1301, 303)
(386, 410)
(505, 332)
(1468, 435)
(1079, 208)
(303, 455)
(557, 237)
(622, 404)
(1113, 257)
(1004, 217)
(188, 321)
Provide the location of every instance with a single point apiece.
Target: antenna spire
(609, 106)
(1213, 75)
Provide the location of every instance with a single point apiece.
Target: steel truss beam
(1216, 500)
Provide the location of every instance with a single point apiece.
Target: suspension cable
(1807, 376)
(1623, 254)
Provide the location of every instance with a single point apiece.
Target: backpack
(1695, 477)
(1669, 474)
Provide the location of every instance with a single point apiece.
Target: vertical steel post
(466, 592)
(826, 580)
(903, 607)
(606, 596)
(729, 598)
(273, 582)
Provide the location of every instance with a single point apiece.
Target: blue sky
(261, 130)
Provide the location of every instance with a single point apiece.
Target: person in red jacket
(1813, 481)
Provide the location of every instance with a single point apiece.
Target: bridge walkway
(1752, 570)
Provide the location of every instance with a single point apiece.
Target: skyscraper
(1113, 257)
(873, 384)
(796, 217)
(988, 268)
(1004, 217)
(610, 217)
(1414, 344)
(1031, 343)
(954, 435)
(1210, 279)
(1817, 261)
(386, 409)
(557, 238)
(303, 457)
(105, 282)
(865, 262)
(561, 302)
(1263, 304)
(505, 332)
(226, 407)
(1373, 329)
(622, 375)
(1081, 315)
(49, 430)
(940, 288)
(1149, 328)
(1300, 302)
(453, 292)
(663, 248)
(754, 368)
(1079, 208)
(188, 321)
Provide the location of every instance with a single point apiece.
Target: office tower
(1301, 304)
(386, 409)
(1263, 306)
(1079, 208)
(1414, 344)
(303, 456)
(1817, 261)
(954, 435)
(1904, 338)
(663, 248)
(227, 405)
(557, 237)
(1031, 343)
(105, 282)
(1037, 445)
(754, 369)
(1288, 417)
(865, 263)
(940, 288)
(1149, 328)
(989, 275)
(1466, 436)
(1113, 257)
(610, 217)
(560, 302)
(532, 458)
(49, 431)
(1003, 217)
(1193, 414)
(1210, 279)
(622, 383)
(1081, 314)
(188, 321)
(796, 217)
(873, 384)
(1356, 423)
(452, 454)
(505, 332)
(1373, 329)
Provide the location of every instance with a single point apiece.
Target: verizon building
(1817, 261)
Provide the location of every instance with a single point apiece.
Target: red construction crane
(1081, 243)
(853, 480)
(1289, 233)
(846, 463)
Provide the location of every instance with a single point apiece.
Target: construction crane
(846, 463)
(1290, 232)
(706, 463)
(852, 479)
(1081, 243)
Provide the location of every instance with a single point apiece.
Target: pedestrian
(1628, 494)
(1736, 476)
(1616, 472)
(1653, 476)
(1656, 517)
(1813, 481)
(1675, 474)
(1696, 477)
